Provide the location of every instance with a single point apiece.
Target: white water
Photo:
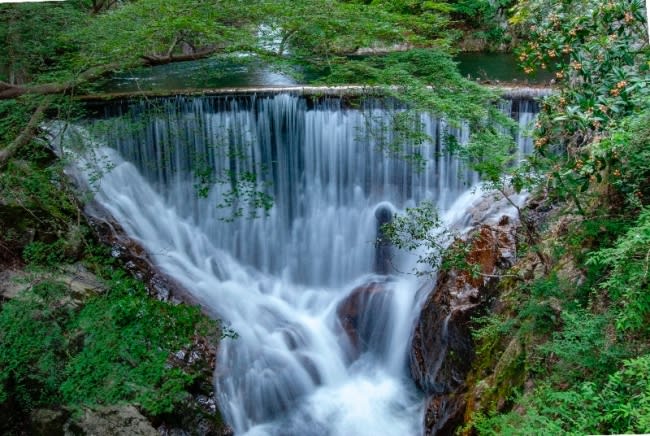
(278, 280)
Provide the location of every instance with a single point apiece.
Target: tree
(599, 53)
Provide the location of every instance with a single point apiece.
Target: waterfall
(283, 279)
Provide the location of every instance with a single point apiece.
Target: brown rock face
(442, 349)
(350, 312)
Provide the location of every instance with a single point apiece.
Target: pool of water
(497, 66)
(243, 72)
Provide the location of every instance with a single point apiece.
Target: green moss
(114, 349)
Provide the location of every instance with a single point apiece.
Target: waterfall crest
(280, 280)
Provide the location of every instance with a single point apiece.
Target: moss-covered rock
(442, 349)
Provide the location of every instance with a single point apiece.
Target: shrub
(115, 349)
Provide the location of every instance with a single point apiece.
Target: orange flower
(576, 65)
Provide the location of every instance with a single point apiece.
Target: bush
(33, 346)
(628, 284)
(621, 405)
(43, 254)
(582, 349)
(128, 338)
(115, 349)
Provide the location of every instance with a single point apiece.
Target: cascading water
(280, 280)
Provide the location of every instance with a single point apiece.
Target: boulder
(80, 282)
(112, 421)
(350, 313)
(442, 348)
(12, 283)
(48, 422)
(383, 258)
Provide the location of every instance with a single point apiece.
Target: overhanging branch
(27, 134)
(8, 91)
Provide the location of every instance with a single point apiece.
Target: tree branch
(172, 46)
(152, 60)
(27, 134)
(8, 91)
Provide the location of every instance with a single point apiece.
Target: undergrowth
(584, 325)
(113, 347)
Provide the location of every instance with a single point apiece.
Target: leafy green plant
(419, 228)
(618, 406)
(43, 254)
(599, 52)
(628, 284)
(33, 345)
(127, 340)
(583, 348)
(116, 348)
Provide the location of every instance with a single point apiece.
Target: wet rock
(442, 348)
(443, 413)
(112, 421)
(489, 209)
(384, 215)
(198, 414)
(134, 256)
(350, 313)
